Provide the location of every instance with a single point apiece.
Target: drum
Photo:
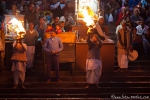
(133, 55)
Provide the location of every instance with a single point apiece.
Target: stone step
(137, 62)
(78, 96)
(112, 28)
(135, 67)
(83, 79)
(49, 98)
(81, 73)
(142, 63)
(75, 91)
(141, 59)
(76, 84)
(63, 67)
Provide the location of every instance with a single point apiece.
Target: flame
(16, 26)
(88, 15)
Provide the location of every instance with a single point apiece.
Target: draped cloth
(19, 65)
(19, 69)
(123, 41)
(123, 61)
(94, 70)
(30, 56)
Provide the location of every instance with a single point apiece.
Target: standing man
(30, 16)
(31, 37)
(111, 8)
(40, 28)
(57, 7)
(53, 46)
(93, 62)
(19, 62)
(123, 47)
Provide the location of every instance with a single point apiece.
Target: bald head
(101, 20)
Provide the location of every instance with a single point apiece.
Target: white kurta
(123, 61)
(30, 56)
(122, 52)
(118, 28)
(99, 29)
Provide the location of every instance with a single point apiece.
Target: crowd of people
(43, 20)
(45, 15)
(49, 10)
(132, 19)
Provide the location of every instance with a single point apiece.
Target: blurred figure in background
(137, 41)
(40, 28)
(30, 16)
(58, 29)
(30, 40)
(56, 21)
(44, 6)
(142, 30)
(111, 7)
(121, 15)
(14, 10)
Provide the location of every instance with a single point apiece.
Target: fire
(16, 26)
(88, 15)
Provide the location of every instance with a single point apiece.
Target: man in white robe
(31, 37)
(123, 47)
(19, 62)
(100, 29)
(93, 62)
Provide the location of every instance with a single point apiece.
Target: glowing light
(16, 26)
(88, 15)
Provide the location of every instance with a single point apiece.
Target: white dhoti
(30, 56)
(123, 61)
(19, 69)
(94, 70)
(18, 74)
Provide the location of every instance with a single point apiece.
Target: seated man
(135, 17)
(137, 42)
(142, 30)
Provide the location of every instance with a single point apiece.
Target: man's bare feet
(23, 87)
(15, 87)
(87, 86)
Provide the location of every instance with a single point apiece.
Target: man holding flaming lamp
(19, 60)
